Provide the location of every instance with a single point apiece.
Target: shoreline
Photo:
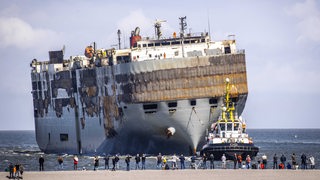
(229, 174)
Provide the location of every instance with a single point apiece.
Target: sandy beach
(172, 174)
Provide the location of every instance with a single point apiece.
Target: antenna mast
(183, 26)
(119, 38)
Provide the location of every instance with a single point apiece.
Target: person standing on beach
(303, 161)
(117, 161)
(106, 162)
(275, 161)
(283, 159)
(182, 159)
(137, 158)
(248, 161)
(17, 173)
(204, 161)
(21, 169)
(96, 163)
(312, 162)
(11, 170)
(127, 160)
(143, 162)
(41, 163)
(114, 163)
(264, 161)
(224, 161)
(211, 159)
(75, 162)
(239, 159)
(174, 161)
(159, 161)
(293, 160)
(60, 162)
(235, 159)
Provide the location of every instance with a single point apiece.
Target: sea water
(21, 147)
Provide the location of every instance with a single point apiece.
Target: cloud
(15, 32)
(286, 78)
(308, 14)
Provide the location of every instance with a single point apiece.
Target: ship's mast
(183, 26)
(119, 38)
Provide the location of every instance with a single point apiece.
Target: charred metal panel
(196, 78)
(61, 80)
(55, 57)
(88, 78)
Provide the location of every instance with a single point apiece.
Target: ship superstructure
(159, 95)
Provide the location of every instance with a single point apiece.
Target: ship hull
(127, 108)
(229, 149)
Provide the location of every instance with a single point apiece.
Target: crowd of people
(173, 162)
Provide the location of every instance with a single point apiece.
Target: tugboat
(228, 134)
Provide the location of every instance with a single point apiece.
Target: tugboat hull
(229, 149)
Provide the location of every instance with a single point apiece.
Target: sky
(281, 40)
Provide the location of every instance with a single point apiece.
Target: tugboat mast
(226, 109)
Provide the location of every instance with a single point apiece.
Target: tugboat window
(64, 137)
(222, 127)
(236, 126)
(229, 126)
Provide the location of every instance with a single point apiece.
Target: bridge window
(227, 50)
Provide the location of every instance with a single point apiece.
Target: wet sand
(173, 174)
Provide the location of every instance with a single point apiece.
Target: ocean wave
(286, 142)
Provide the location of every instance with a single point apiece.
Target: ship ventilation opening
(150, 108)
(172, 107)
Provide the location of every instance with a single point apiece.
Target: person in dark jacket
(211, 159)
(275, 161)
(11, 170)
(114, 163)
(143, 161)
(303, 161)
(96, 163)
(127, 160)
(137, 158)
(182, 159)
(283, 159)
(106, 162)
(41, 163)
(235, 160)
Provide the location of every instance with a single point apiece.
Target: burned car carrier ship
(159, 95)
